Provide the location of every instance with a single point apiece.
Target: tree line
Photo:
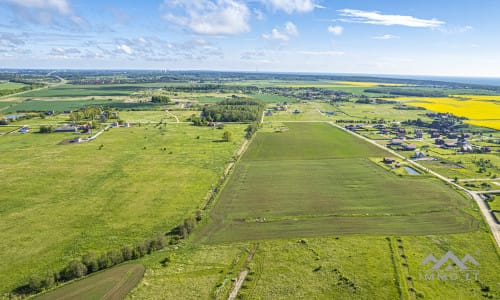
(92, 262)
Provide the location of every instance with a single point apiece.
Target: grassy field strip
(112, 284)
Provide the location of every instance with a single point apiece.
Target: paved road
(494, 226)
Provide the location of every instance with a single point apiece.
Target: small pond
(411, 171)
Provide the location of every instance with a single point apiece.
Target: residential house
(410, 147)
(418, 154)
(396, 142)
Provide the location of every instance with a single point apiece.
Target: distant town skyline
(421, 37)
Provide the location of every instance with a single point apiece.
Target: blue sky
(420, 37)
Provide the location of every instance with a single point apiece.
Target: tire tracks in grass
(243, 274)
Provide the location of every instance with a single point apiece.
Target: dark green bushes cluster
(233, 110)
(160, 99)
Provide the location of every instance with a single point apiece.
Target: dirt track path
(242, 275)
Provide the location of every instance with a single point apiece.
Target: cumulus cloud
(61, 6)
(125, 49)
(292, 6)
(336, 30)
(283, 34)
(386, 37)
(64, 52)
(44, 12)
(321, 53)
(10, 40)
(377, 18)
(210, 17)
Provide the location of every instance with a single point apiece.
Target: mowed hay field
(60, 201)
(112, 284)
(316, 180)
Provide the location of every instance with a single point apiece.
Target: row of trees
(92, 262)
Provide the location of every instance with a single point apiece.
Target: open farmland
(11, 85)
(70, 90)
(60, 201)
(60, 106)
(315, 180)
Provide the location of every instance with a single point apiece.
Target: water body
(411, 171)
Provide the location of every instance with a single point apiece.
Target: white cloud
(282, 35)
(456, 29)
(374, 17)
(321, 53)
(291, 29)
(336, 30)
(276, 35)
(386, 37)
(211, 17)
(122, 48)
(45, 12)
(61, 6)
(291, 6)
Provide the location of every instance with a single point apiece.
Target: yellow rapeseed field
(478, 109)
(368, 84)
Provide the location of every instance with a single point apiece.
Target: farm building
(388, 160)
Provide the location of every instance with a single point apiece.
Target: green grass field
(60, 201)
(70, 90)
(113, 284)
(315, 180)
(60, 106)
(5, 85)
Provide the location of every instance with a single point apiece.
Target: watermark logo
(450, 267)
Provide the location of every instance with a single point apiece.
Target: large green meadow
(60, 201)
(316, 180)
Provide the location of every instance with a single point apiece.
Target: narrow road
(171, 114)
(494, 226)
(478, 179)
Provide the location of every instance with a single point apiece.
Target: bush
(75, 269)
(45, 129)
(91, 261)
(127, 253)
(35, 283)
